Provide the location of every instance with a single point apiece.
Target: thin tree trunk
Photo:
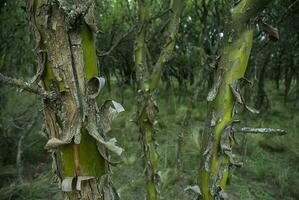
(181, 138)
(148, 82)
(261, 93)
(216, 153)
(20, 149)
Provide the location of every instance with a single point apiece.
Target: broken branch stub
(271, 131)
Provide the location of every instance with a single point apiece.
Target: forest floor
(271, 163)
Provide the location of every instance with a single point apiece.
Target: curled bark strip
(252, 110)
(226, 143)
(107, 112)
(110, 145)
(271, 31)
(214, 91)
(194, 188)
(66, 185)
(94, 86)
(103, 151)
(237, 95)
(54, 143)
(74, 183)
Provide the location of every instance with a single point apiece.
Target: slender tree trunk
(68, 71)
(216, 153)
(148, 81)
(181, 138)
(261, 93)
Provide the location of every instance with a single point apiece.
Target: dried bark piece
(214, 91)
(107, 113)
(66, 185)
(54, 143)
(271, 31)
(94, 86)
(194, 188)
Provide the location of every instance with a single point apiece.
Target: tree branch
(271, 131)
(170, 31)
(102, 54)
(26, 86)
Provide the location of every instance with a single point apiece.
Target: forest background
(270, 163)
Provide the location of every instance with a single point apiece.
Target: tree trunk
(148, 80)
(68, 70)
(216, 153)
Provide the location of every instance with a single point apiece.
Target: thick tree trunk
(148, 81)
(68, 69)
(216, 154)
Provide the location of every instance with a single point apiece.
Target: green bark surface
(148, 82)
(216, 153)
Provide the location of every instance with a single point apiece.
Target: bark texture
(75, 125)
(216, 154)
(148, 80)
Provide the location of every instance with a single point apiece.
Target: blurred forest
(271, 85)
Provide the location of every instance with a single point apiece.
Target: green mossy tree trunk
(68, 70)
(216, 154)
(148, 81)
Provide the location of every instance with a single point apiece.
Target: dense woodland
(149, 99)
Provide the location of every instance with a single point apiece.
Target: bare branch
(102, 54)
(20, 150)
(270, 131)
(26, 86)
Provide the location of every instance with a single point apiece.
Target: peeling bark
(148, 78)
(216, 153)
(64, 32)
